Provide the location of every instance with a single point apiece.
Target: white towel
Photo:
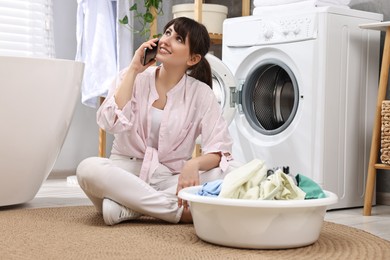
(124, 47)
(299, 5)
(103, 45)
(244, 182)
(96, 48)
(258, 3)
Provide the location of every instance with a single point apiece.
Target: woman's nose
(162, 41)
(166, 39)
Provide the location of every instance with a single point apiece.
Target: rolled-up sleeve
(214, 131)
(112, 119)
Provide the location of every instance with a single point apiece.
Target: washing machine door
(269, 97)
(223, 84)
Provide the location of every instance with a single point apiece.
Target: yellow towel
(280, 186)
(244, 180)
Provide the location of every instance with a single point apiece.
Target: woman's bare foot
(186, 216)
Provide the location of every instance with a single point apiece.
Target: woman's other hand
(189, 176)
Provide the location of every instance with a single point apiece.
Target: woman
(156, 114)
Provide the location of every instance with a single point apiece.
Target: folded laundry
(258, 3)
(297, 5)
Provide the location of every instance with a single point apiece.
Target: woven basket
(385, 132)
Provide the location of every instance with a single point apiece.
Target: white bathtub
(37, 101)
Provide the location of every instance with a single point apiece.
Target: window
(26, 28)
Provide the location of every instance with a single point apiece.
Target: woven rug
(80, 233)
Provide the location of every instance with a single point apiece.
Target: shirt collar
(176, 88)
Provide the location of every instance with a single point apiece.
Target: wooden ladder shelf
(373, 166)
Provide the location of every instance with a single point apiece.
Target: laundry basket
(257, 224)
(385, 132)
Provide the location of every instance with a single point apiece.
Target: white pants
(116, 178)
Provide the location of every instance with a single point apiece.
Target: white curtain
(26, 28)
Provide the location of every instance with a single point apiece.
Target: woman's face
(173, 49)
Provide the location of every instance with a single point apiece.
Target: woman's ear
(195, 58)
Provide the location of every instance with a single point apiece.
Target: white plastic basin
(261, 224)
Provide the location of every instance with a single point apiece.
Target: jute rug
(80, 233)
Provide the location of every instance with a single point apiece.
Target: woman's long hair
(199, 44)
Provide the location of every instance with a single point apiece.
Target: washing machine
(299, 91)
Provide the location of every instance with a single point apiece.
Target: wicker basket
(385, 132)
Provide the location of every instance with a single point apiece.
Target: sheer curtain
(26, 28)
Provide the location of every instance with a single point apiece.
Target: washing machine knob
(297, 31)
(268, 34)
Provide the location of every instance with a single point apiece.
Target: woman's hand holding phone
(124, 91)
(137, 63)
(150, 54)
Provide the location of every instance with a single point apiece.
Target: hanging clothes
(102, 44)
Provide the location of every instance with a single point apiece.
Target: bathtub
(37, 100)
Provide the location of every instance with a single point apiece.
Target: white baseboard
(61, 174)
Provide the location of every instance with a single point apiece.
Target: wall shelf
(217, 38)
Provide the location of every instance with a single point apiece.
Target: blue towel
(211, 189)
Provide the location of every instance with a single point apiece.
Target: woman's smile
(164, 51)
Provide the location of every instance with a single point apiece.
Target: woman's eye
(179, 39)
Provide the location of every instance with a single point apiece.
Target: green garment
(312, 189)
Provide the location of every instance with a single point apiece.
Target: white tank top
(155, 127)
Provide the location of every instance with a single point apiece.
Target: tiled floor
(63, 192)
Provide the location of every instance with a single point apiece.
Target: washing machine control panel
(260, 30)
(297, 28)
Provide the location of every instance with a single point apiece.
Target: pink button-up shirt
(191, 110)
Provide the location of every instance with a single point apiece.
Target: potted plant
(145, 16)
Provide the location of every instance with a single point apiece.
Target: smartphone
(150, 54)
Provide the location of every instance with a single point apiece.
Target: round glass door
(270, 97)
(223, 82)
